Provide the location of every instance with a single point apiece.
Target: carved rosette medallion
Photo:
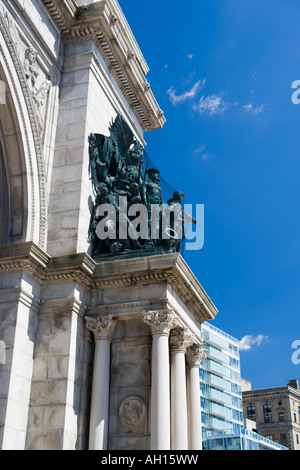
(132, 411)
(161, 321)
(102, 327)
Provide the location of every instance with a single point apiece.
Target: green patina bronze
(119, 173)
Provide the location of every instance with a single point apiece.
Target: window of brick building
(251, 412)
(267, 412)
(283, 439)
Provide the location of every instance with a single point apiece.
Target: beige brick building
(276, 411)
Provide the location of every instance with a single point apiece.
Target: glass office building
(220, 382)
(221, 396)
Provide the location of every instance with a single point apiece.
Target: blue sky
(222, 72)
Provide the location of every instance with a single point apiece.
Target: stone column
(194, 355)
(160, 323)
(102, 328)
(180, 340)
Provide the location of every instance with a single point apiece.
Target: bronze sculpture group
(129, 213)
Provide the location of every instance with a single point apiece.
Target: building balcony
(217, 396)
(216, 368)
(218, 410)
(217, 355)
(217, 382)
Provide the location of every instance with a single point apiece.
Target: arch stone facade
(73, 329)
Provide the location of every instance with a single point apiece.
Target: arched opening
(13, 178)
(23, 189)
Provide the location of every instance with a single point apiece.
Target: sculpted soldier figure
(152, 198)
(135, 163)
(152, 193)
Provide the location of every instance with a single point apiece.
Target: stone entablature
(81, 268)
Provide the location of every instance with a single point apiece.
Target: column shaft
(194, 409)
(160, 394)
(195, 354)
(179, 430)
(100, 397)
(180, 340)
(160, 323)
(103, 328)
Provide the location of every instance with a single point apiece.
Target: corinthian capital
(195, 354)
(181, 339)
(102, 327)
(160, 321)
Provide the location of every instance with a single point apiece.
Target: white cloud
(187, 94)
(248, 341)
(259, 109)
(200, 149)
(213, 104)
(248, 107)
(255, 110)
(204, 155)
(190, 56)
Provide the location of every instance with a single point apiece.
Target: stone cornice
(271, 393)
(105, 24)
(81, 268)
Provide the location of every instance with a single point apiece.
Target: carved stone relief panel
(37, 80)
(132, 411)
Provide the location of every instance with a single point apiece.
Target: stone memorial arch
(98, 350)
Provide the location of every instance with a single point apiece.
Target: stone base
(46, 382)
(102, 258)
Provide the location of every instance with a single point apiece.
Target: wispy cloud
(255, 109)
(213, 104)
(248, 341)
(187, 94)
(202, 152)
